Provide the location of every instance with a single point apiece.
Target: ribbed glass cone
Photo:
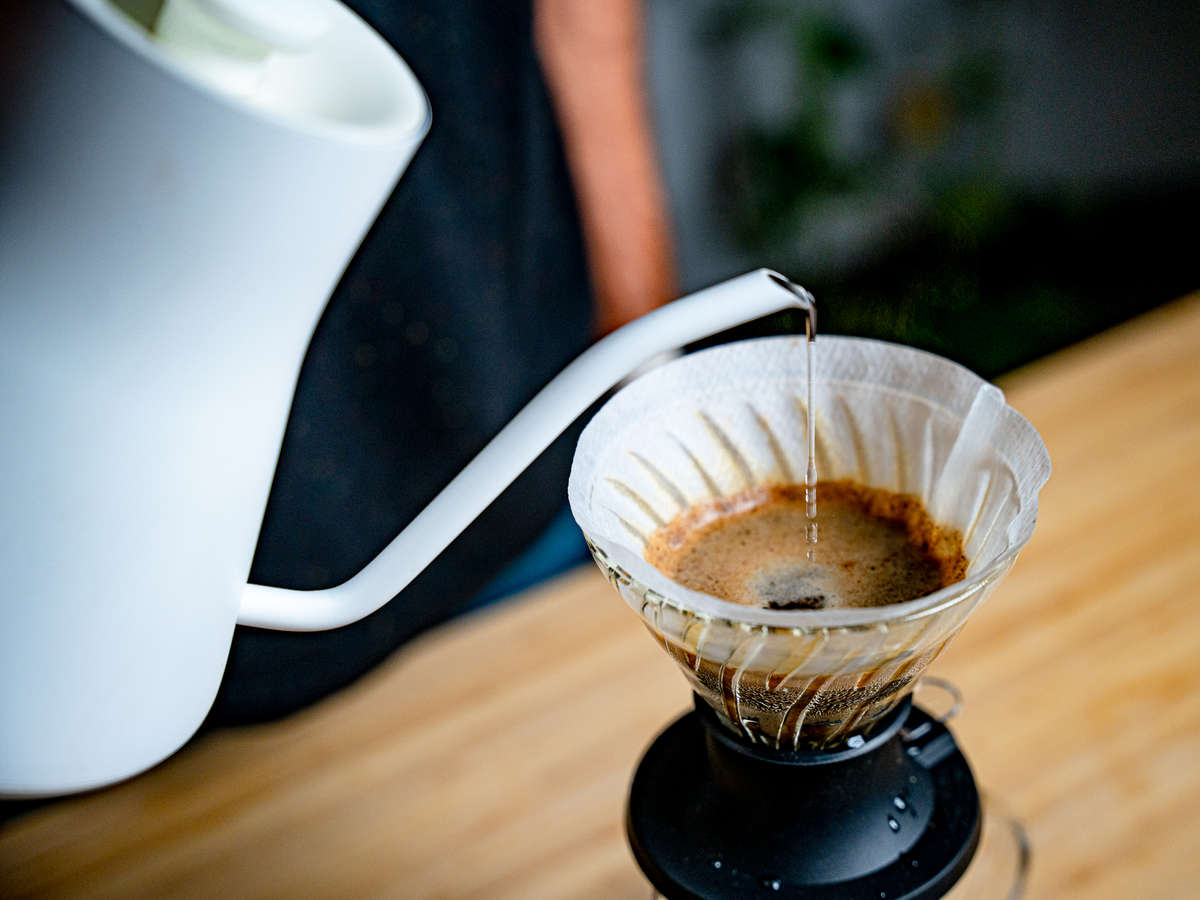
(733, 419)
(797, 688)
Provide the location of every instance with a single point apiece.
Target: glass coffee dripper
(801, 687)
(805, 687)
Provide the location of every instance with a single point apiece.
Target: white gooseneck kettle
(178, 197)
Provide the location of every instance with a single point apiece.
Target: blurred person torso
(469, 293)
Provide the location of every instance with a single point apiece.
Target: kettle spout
(518, 444)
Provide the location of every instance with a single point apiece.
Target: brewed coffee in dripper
(732, 421)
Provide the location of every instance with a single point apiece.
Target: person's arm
(591, 55)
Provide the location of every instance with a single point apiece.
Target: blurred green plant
(976, 270)
(775, 178)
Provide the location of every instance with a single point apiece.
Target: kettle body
(165, 251)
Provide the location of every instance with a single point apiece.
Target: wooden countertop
(491, 758)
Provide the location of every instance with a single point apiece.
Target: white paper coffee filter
(734, 417)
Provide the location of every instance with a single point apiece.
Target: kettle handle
(517, 445)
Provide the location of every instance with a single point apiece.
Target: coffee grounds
(875, 547)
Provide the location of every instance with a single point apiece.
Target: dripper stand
(894, 815)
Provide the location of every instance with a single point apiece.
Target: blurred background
(988, 180)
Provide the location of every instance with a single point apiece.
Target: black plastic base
(895, 818)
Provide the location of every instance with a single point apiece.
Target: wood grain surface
(491, 757)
